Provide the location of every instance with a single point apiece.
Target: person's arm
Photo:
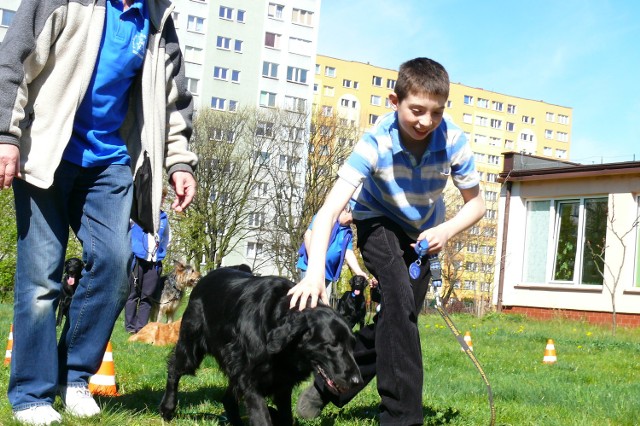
(352, 262)
(312, 286)
(470, 213)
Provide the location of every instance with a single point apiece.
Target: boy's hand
(184, 185)
(9, 164)
(308, 288)
(437, 238)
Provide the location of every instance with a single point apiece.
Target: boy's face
(418, 115)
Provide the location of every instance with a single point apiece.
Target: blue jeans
(95, 203)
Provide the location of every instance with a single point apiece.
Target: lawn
(596, 380)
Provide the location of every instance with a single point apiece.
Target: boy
(402, 166)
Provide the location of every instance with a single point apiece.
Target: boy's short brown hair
(422, 76)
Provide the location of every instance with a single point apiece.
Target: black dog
(70, 278)
(352, 304)
(264, 347)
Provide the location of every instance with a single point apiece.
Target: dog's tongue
(356, 292)
(71, 281)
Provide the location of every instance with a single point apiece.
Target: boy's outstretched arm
(312, 286)
(470, 213)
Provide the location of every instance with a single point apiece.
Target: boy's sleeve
(463, 166)
(361, 163)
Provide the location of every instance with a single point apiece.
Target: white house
(568, 240)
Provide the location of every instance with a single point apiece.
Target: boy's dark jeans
(390, 347)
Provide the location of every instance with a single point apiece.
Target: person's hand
(9, 164)
(437, 238)
(184, 185)
(309, 288)
(373, 282)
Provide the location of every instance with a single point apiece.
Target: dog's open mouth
(333, 386)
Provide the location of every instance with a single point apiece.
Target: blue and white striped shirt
(397, 186)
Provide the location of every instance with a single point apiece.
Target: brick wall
(625, 320)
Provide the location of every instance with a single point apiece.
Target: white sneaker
(42, 415)
(78, 401)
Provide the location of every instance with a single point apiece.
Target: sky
(582, 54)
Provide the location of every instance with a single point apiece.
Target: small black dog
(264, 347)
(352, 304)
(70, 278)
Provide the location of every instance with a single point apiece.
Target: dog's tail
(192, 346)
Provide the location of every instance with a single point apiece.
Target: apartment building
(493, 122)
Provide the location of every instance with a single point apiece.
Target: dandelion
(589, 333)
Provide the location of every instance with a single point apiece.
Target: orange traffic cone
(104, 381)
(550, 353)
(467, 339)
(7, 354)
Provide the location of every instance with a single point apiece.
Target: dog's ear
(289, 329)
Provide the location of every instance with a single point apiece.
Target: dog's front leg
(170, 397)
(231, 407)
(257, 409)
(282, 399)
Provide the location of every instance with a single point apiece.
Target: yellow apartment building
(357, 93)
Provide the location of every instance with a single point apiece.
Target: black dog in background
(263, 347)
(70, 278)
(352, 304)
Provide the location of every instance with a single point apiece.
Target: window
(235, 76)
(548, 134)
(192, 54)
(330, 71)
(195, 23)
(256, 219)
(490, 250)
(223, 43)
(348, 103)
(329, 91)
(387, 103)
(472, 248)
(547, 151)
(302, 17)
(275, 10)
(218, 103)
(269, 69)
(468, 100)
(549, 116)
(561, 153)
(254, 249)
(490, 195)
(318, 69)
(510, 127)
(327, 111)
(511, 109)
(292, 134)
(295, 104)
(573, 229)
(563, 119)
(260, 189)
(346, 83)
(525, 118)
(562, 136)
(467, 118)
(391, 84)
(225, 12)
(480, 139)
(240, 15)
(174, 15)
(272, 40)
(497, 106)
(525, 136)
(373, 118)
(356, 85)
(376, 100)
(483, 103)
(493, 141)
(237, 46)
(493, 159)
(492, 177)
(496, 124)
(192, 85)
(267, 99)
(376, 81)
(481, 121)
(220, 73)
(265, 129)
(296, 75)
(7, 17)
(471, 267)
(300, 46)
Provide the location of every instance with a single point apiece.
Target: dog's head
(186, 275)
(358, 283)
(320, 336)
(72, 271)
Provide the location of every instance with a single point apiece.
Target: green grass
(596, 380)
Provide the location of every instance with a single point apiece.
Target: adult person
(149, 250)
(89, 91)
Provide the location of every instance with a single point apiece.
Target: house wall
(622, 193)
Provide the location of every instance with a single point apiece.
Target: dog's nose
(355, 380)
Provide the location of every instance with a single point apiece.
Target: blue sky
(583, 54)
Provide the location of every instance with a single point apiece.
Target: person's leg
(43, 227)
(147, 292)
(131, 305)
(100, 219)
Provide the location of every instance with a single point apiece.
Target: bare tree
(598, 246)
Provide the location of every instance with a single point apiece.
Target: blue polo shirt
(396, 185)
(95, 140)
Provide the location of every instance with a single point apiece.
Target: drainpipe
(505, 232)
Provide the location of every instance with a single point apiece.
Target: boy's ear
(394, 101)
